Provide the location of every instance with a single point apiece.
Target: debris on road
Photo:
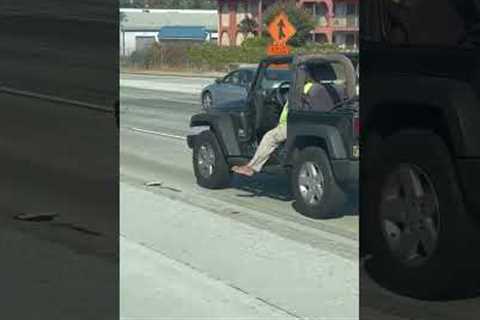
(160, 185)
(153, 184)
(36, 217)
(79, 228)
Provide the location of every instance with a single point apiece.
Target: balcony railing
(345, 22)
(321, 21)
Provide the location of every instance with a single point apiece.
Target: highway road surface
(60, 49)
(240, 252)
(58, 160)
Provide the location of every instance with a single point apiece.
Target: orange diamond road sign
(281, 29)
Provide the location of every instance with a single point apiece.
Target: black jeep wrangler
(321, 151)
(420, 167)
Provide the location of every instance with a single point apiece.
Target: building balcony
(345, 23)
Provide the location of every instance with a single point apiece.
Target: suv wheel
(210, 167)
(418, 218)
(314, 187)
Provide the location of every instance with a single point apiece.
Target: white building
(140, 27)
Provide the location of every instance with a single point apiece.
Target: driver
(272, 139)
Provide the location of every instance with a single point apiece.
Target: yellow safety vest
(284, 115)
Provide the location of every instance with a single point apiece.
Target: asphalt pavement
(247, 237)
(67, 51)
(58, 160)
(63, 267)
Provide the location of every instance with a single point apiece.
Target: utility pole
(260, 17)
(123, 42)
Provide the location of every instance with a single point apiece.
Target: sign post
(281, 31)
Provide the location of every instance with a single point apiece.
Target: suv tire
(314, 187)
(209, 164)
(418, 250)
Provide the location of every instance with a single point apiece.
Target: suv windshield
(274, 75)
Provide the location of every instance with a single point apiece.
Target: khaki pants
(270, 141)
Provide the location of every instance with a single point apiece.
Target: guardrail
(55, 99)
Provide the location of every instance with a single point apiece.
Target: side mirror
(218, 80)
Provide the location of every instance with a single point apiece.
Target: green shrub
(213, 57)
(139, 58)
(210, 57)
(256, 42)
(312, 48)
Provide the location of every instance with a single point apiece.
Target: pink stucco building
(336, 20)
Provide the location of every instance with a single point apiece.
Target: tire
(218, 176)
(326, 204)
(423, 248)
(207, 101)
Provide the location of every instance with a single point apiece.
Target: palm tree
(248, 26)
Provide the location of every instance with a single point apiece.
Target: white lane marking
(190, 88)
(132, 97)
(45, 97)
(157, 133)
(139, 75)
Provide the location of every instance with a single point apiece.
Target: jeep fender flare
(454, 99)
(222, 126)
(327, 136)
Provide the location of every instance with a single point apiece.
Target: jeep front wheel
(211, 169)
(314, 187)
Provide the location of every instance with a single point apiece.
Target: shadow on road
(277, 187)
(456, 285)
(263, 185)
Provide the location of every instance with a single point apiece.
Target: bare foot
(243, 170)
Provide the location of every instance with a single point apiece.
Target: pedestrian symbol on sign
(281, 33)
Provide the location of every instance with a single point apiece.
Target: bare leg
(270, 141)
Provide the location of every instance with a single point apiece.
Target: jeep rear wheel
(409, 214)
(420, 228)
(211, 169)
(314, 187)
